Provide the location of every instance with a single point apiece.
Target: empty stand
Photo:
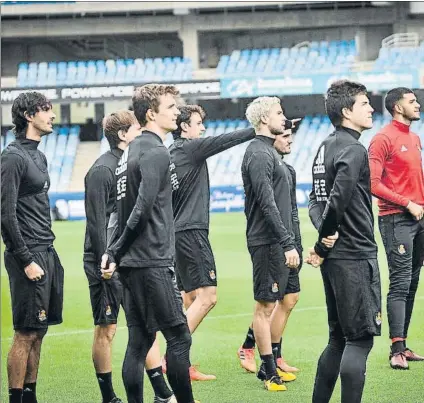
(324, 56)
(400, 58)
(120, 71)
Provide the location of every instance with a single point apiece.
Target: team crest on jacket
(401, 249)
(212, 275)
(274, 287)
(42, 315)
(378, 319)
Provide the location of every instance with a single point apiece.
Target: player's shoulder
(104, 165)
(259, 146)
(415, 135)
(383, 137)
(13, 153)
(290, 168)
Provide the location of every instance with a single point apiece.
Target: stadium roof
(16, 9)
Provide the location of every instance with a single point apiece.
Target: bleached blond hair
(259, 108)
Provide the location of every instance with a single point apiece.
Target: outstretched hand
(313, 259)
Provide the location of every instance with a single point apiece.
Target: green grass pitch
(67, 374)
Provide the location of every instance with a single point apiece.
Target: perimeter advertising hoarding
(202, 89)
(375, 81)
(70, 206)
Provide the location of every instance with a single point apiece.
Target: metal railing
(401, 40)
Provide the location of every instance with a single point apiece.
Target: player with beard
(341, 202)
(283, 308)
(397, 180)
(270, 233)
(34, 269)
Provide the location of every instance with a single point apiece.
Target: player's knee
(106, 333)
(290, 300)
(264, 309)
(190, 298)
(178, 346)
(29, 336)
(366, 343)
(212, 300)
(208, 297)
(40, 334)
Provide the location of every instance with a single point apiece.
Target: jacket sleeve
(112, 233)
(98, 187)
(260, 169)
(315, 210)
(295, 211)
(154, 167)
(13, 167)
(379, 152)
(349, 165)
(203, 148)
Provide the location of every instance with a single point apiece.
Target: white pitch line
(229, 316)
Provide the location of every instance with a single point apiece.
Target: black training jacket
(295, 211)
(25, 207)
(268, 203)
(341, 197)
(145, 234)
(100, 198)
(190, 176)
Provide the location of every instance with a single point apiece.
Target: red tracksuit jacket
(396, 168)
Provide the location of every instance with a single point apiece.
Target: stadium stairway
(87, 153)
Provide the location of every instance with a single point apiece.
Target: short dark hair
(186, 112)
(147, 97)
(394, 96)
(30, 103)
(116, 121)
(342, 94)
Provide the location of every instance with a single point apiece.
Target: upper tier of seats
(60, 148)
(100, 72)
(334, 56)
(400, 58)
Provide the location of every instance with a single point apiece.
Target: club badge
(378, 319)
(42, 315)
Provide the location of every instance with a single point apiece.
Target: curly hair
(29, 103)
(185, 116)
(259, 108)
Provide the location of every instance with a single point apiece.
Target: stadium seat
(334, 56)
(111, 71)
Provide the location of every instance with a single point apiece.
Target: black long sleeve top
(341, 197)
(25, 207)
(190, 177)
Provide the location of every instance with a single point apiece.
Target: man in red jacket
(397, 180)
